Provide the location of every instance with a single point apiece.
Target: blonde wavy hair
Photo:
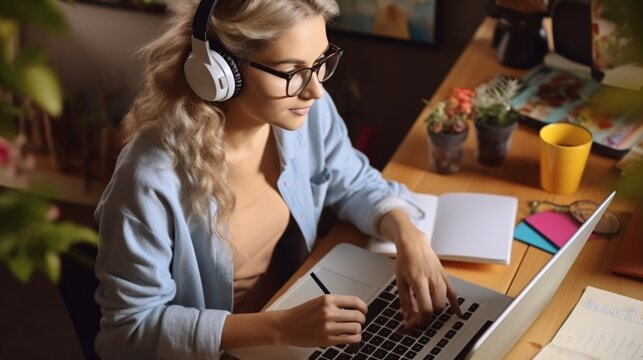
(191, 129)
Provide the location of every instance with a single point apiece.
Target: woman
(211, 201)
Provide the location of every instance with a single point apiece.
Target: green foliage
(630, 184)
(42, 13)
(30, 240)
(630, 13)
(42, 86)
(8, 128)
(492, 102)
(26, 73)
(497, 114)
(613, 100)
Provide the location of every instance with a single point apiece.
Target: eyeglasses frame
(334, 51)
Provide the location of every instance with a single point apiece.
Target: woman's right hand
(323, 321)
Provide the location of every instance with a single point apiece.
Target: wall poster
(410, 20)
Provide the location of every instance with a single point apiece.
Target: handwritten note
(603, 325)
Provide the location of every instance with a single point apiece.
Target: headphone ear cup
(202, 79)
(212, 75)
(233, 68)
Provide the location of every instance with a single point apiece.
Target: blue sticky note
(530, 236)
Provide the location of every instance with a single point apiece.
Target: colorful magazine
(551, 95)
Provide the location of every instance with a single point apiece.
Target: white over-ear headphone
(210, 70)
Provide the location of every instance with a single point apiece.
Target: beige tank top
(257, 223)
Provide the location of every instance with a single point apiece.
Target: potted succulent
(495, 120)
(447, 129)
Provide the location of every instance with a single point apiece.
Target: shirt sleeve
(357, 191)
(411, 208)
(136, 290)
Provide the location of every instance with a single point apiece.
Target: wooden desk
(518, 176)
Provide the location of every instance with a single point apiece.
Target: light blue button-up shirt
(165, 282)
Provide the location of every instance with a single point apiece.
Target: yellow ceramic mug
(564, 149)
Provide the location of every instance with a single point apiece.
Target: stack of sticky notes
(547, 230)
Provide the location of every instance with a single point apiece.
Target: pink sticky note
(556, 227)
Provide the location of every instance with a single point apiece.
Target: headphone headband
(210, 70)
(202, 18)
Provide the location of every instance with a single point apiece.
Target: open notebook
(493, 321)
(470, 227)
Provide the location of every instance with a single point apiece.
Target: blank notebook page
(475, 225)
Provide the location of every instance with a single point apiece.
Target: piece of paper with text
(603, 325)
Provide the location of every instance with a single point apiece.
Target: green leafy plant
(31, 238)
(492, 101)
(25, 74)
(451, 114)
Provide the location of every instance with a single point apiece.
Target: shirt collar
(289, 143)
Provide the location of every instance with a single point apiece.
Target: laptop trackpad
(335, 282)
(341, 284)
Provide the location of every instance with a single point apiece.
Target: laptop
(491, 325)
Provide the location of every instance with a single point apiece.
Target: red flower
(450, 115)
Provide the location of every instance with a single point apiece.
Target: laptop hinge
(463, 354)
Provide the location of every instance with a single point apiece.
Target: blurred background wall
(378, 87)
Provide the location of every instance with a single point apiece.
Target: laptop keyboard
(384, 336)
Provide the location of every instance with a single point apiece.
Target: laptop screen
(529, 304)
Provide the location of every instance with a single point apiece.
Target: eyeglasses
(297, 80)
(581, 210)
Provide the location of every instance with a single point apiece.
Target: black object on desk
(519, 38)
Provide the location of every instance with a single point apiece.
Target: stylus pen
(319, 283)
(352, 348)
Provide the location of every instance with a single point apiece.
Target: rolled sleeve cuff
(208, 334)
(395, 202)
